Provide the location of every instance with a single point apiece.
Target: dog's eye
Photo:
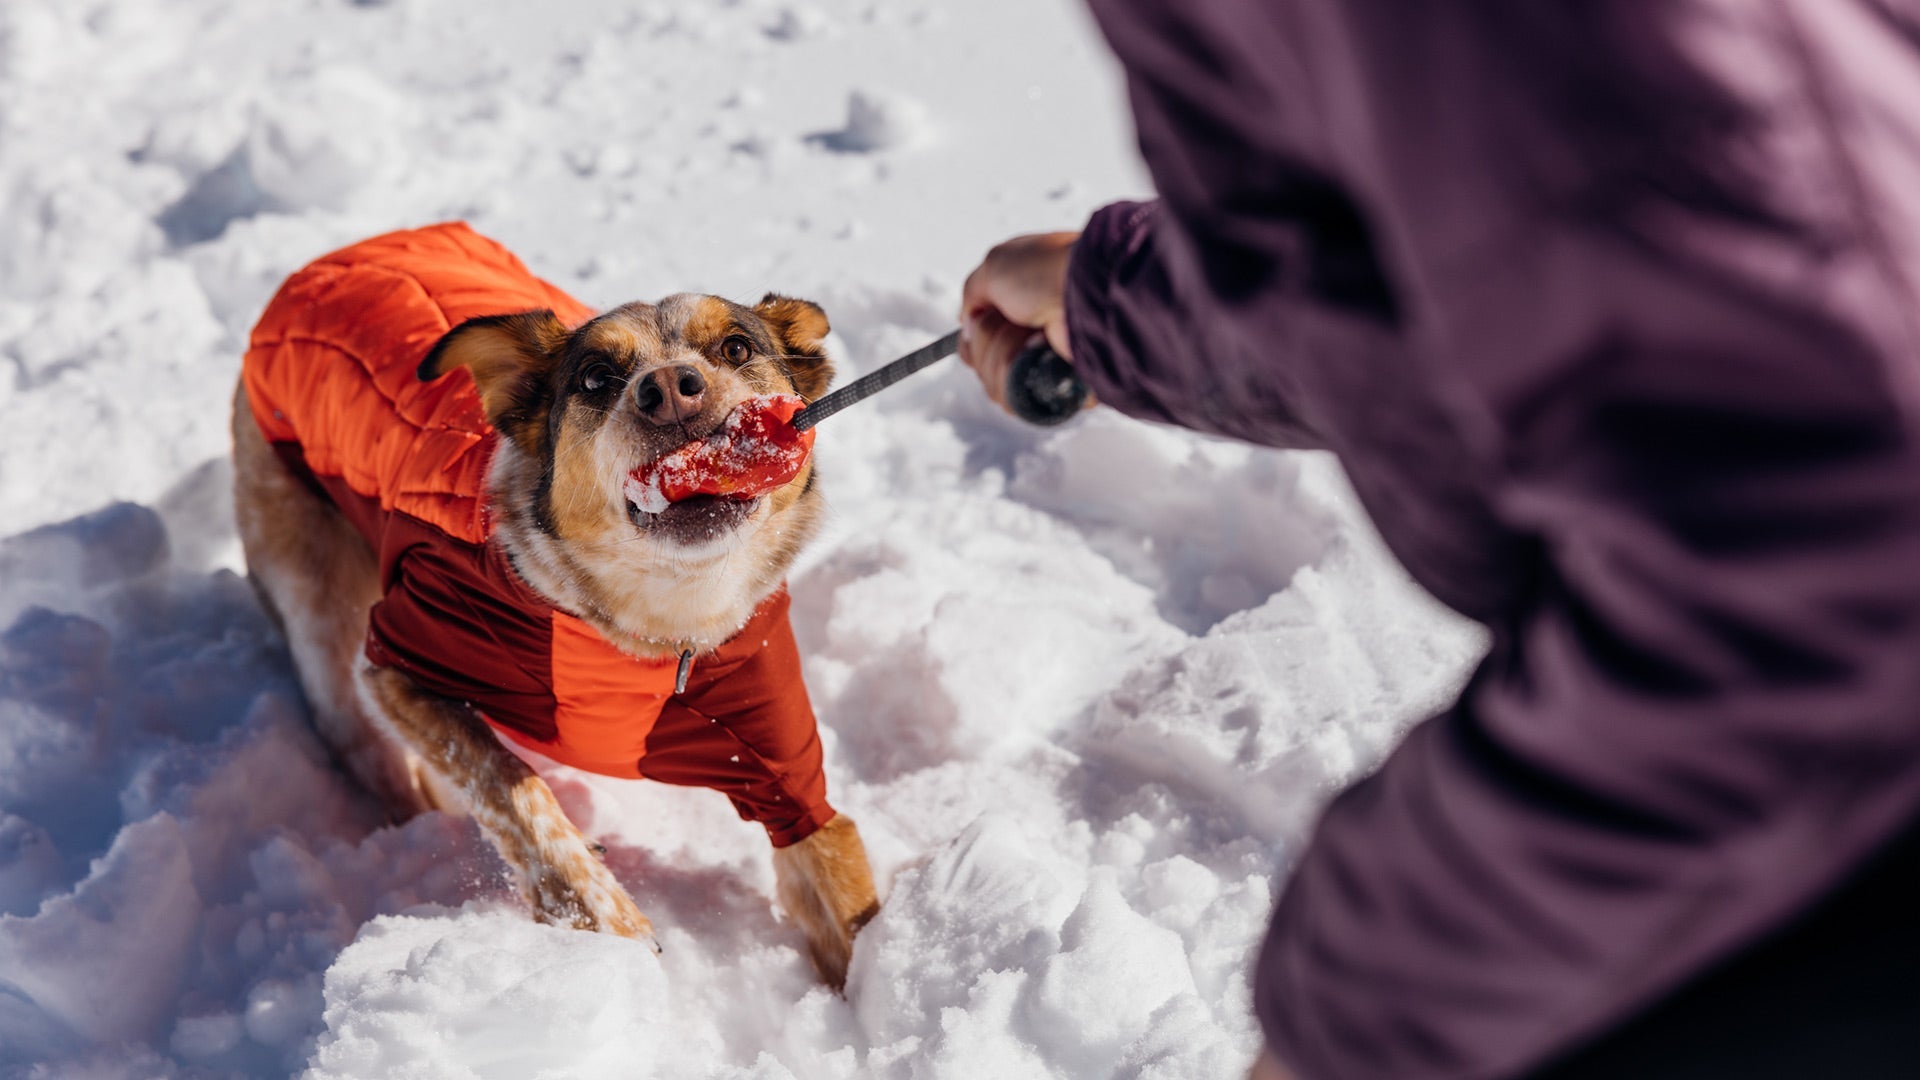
(596, 375)
(736, 349)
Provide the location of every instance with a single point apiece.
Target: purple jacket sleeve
(1554, 284)
(1122, 308)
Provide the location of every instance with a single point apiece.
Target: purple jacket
(1609, 308)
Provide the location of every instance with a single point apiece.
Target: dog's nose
(671, 394)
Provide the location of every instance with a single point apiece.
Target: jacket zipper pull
(686, 669)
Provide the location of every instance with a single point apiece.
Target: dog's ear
(800, 326)
(512, 358)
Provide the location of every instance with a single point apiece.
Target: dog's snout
(671, 394)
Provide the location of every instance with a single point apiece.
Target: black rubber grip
(1043, 389)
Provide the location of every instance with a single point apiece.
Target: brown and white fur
(577, 411)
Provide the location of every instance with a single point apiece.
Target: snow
(458, 992)
(879, 121)
(647, 494)
(1084, 689)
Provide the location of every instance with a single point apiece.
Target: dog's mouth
(695, 520)
(708, 486)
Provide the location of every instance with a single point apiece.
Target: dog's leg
(826, 886)
(317, 577)
(563, 879)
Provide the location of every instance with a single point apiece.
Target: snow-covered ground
(1083, 690)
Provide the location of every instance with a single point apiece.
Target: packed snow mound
(1029, 971)
(1083, 689)
(490, 997)
(878, 120)
(186, 861)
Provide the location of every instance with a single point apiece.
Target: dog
(431, 447)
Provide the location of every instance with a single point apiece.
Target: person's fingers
(1016, 293)
(973, 294)
(1024, 280)
(973, 348)
(1011, 283)
(988, 344)
(1056, 331)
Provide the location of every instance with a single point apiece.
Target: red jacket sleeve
(745, 728)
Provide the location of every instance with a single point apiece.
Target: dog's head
(583, 408)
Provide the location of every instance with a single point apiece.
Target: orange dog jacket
(329, 373)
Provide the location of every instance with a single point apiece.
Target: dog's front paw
(588, 901)
(826, 886)
(830, 938)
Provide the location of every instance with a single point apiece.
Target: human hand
(1018, 290)
(1268, 1069)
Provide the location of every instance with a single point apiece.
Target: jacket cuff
(1116, 236)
